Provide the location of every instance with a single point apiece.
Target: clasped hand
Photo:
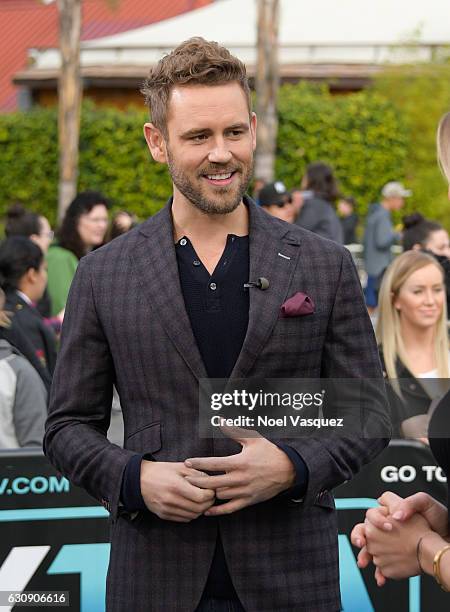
(390, 534)
(182, 492)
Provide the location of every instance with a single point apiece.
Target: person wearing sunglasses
(276, 200)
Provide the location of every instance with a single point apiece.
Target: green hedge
(421, 95)
(113, 159)
(362, 135)
(28, 160)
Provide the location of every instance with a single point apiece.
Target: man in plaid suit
(226, 524)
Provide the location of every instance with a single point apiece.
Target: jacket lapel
(155, 262)
(274, 250)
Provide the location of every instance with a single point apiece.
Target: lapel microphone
(262, 283)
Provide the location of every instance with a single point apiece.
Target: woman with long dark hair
(83, 228)
(317, 213)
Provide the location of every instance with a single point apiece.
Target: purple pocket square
(298, 305)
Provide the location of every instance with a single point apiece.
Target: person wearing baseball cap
(276, 200)
(395, 190)
(379, 237)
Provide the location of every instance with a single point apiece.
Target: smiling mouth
(220, 178)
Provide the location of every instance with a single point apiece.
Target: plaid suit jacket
(126, 324)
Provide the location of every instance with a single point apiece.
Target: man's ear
(156, 143)
(253, 125)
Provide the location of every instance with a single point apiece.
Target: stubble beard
(195, 196)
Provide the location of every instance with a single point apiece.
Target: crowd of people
(408, 537)
(36, 271)
(410, 297)
(407, 296)
(37, 267)
(408, 293)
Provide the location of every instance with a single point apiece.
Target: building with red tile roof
(345, 51)
(28, 24)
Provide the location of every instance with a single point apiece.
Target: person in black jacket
(348, 219)
(317, 213)
(23, 277)
(409, 537)
(423, 234)
(23, 222)
(412, 334)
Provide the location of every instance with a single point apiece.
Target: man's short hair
(194, 62)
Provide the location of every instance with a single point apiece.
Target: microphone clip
(262, 283)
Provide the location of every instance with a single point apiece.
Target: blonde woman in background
(412, 334)
(406, 537)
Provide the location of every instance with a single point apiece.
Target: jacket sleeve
(350, 352)
(384, 236)
(30, 404)
(80, 404)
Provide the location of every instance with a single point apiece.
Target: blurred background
(357, 84)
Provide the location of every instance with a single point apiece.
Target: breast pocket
(294, 347)
(288, 326)
(299, 333)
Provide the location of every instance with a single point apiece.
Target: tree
(266, 85)
(69, 95)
